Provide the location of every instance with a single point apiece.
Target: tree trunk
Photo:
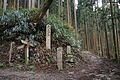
(107, 45)
(18, 4)
(14, 4)
(25, 2)
(4, 5)
(38, 4)
(113, 29)
(59, 10)
(116, 9)
(42, 13)
(1, 3)
(29, 4)
(68, 11)
(75, 19)
(33, 3)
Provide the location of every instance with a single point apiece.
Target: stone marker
(69, 54)
(68, 49)
(11, 51)
(59, 58)
(26, 50)
(48, 36)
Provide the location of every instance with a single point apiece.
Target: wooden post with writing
(48, 36)
(59, 58)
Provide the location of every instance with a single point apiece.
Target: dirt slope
(96, 69)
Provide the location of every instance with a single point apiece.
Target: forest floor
(96, 69)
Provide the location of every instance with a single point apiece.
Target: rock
(71, 73)
(83, 71)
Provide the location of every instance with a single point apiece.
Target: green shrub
(62, 30)
(19, 19)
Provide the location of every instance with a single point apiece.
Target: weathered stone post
(59, 58)
(69, 54)
(48, 36)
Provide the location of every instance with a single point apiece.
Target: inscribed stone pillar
(48, 36)
(59, 58)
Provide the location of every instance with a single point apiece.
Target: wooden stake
(11, 51)
(27, 54)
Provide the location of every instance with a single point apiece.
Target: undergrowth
(63, 30)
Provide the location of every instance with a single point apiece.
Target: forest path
(97, 69)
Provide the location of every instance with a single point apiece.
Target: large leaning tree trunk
(35, 19)
(42, 13)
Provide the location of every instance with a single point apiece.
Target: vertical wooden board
(11, 51)
(48, 36)
(59, 58)
(27, 54)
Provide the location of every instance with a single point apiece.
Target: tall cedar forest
(59, 39)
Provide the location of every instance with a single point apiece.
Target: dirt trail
(96, 69)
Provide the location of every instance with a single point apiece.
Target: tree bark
(18, 2)
(68, 11)
(4, 5)
(42, 13)
(113, 29)
(107, 44)
(75, 19)
(29, 4)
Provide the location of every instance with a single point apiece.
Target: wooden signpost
(48, 36)
(27, 50)
(59, 58)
